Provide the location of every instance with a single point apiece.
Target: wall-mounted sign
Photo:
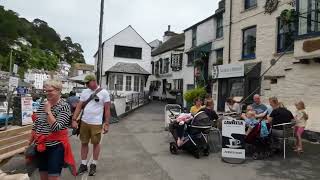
(26, 110)
(227, 71)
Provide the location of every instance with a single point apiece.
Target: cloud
(79, 19)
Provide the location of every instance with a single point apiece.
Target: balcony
(307, 48)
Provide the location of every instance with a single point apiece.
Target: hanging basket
(288, 16)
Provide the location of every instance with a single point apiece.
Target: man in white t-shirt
(94, 121)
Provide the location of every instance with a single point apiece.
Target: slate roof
(129, 68)
(172, 43)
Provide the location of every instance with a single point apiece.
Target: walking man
(94, 121)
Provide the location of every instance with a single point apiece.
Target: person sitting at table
(196, 108)
(232, 106)
(250, 120)
(279, 115)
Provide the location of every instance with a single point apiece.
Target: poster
(26, 110)
(233, 139)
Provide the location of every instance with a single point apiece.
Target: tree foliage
(42, 46)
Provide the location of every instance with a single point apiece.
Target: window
(128, 83)
(249, 43)
(249, 3)
(152, 66)
(127, 52)
(309, 18)
(111, 82)
(193, 56)
(190, 86)
(178, 84)
(157, 67)
(161, 66)
(119, 86)
(219, 56)
(194, 37)
(219, 30)
(285, 38)
(176, 61)
(136, 83)
(142, 84)
(166, 64)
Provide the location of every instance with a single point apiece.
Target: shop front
(236, 80)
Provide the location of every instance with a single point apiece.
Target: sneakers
(93, 170)
(82, 169)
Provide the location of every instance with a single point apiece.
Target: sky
(79, 19)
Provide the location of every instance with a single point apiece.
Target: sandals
(298, 150)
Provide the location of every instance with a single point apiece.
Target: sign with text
(26, 110)
(233, 139)
(227, 71)
(13, 81)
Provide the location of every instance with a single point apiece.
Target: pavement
(137, 148)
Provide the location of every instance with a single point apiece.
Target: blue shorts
(51, 160)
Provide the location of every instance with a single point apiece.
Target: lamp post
(100, 48)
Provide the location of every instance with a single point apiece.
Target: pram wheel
(173, 148)
(206, 151)
(255, 156)
(196, 154)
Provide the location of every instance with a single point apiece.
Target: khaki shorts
(90, 132)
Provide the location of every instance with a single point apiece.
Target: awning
(205, 47)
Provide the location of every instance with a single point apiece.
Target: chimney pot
(169, 27)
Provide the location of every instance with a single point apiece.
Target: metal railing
(136, 100)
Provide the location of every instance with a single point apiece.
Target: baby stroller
(195, 136)
(259, 145)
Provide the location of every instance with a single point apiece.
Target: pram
(195, 135)
(260, 147)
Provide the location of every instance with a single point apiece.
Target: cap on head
(89, 77)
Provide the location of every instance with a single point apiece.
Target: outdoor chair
(287, 134)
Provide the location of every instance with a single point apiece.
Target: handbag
(76, 131)
(31, 150)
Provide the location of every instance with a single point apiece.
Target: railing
(136, 100)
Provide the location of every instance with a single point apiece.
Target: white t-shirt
(93, 112)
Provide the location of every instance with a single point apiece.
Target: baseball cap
(89, 77)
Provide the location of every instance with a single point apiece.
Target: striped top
(61, 111)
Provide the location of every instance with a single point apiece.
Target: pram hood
(201, 119)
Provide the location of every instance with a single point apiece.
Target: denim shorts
(51, 160)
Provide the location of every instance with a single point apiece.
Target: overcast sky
(79, 19)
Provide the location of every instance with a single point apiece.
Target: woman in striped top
(50, 132)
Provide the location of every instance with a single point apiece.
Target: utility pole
(100, 48)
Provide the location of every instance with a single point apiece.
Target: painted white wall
(123, 91)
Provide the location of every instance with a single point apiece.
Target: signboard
(26, 110)
(13, 81)
(15, 68)
(22, 90)
(227, 71)
(233, 139)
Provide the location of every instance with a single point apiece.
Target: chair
(287, 133)
(214, 139)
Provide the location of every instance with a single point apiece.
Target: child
(250, 120)
(181, 120)
(300, 118)
(249, 108)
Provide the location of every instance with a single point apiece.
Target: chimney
(168, 34)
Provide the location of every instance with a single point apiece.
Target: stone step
(13, 147)
(15, 130)
(15, 138)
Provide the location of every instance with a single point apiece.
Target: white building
(64, 68)
(36, 77)
(126, 62)
(167, 78)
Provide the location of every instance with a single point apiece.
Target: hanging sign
(227, 71)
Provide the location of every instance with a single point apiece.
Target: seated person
(279, 115)
(197, 107)
(209, 110)
(249, 108)
(251, 121)
(182, 120)
(232, 106)
(260, 109)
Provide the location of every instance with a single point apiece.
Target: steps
(14, 140)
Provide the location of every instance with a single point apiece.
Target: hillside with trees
(37, 45)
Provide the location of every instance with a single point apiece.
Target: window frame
(282, 47)
(247, 4)
(308, 19)
(119, 87)
(128, 85)
(136, 83)
(219, 26)
(220, 51)
(253, 55)
(118, 49)
(111, 81)
(142, 83)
